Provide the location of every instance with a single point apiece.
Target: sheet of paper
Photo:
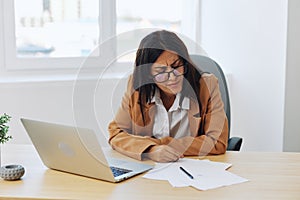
(207, 174)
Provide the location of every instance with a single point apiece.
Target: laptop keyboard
(119, 171)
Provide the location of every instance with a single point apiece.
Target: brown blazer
(209, 129)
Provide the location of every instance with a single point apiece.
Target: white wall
(292, 97)
(41, 100)
(248, 39)
(52, 101)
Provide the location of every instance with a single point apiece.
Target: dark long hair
(150, 48)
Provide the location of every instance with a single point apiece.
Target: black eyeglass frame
(172, 71)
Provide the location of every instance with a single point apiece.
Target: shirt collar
(185, 102)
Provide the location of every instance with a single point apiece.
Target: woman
(170, 109)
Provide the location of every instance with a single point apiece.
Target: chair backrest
(206, 64)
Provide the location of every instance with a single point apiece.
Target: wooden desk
(271, 175)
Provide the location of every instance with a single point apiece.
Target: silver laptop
(77, 151)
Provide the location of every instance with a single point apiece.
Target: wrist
(145, 154)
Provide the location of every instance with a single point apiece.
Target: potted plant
(8, 172)
(4, 119)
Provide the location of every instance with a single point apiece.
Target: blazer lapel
(194, 117)
(149, 113)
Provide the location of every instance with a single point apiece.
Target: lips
(173, 84)
(171, 88)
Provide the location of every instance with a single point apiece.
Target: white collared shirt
(173, 122)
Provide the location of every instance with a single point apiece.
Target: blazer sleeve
(122, 138)
(215, 123)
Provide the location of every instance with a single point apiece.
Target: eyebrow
(160, 67)
(176, 61)
(165, 66)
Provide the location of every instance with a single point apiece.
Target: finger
(167, 158)
(174, 152)
(170, 155)
(164, 153)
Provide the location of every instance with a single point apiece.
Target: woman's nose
(172, 76)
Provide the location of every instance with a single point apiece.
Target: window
(59, 34)
(56, 28)
(174, 15)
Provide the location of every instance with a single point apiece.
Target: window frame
(11, 62)
(107, 26)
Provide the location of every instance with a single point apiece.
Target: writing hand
(163, 153)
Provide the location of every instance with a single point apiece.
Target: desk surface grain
(271, 176)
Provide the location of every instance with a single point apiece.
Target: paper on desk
(207, 174)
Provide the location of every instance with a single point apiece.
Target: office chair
(208, 65)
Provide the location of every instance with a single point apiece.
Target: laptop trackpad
(135, 166)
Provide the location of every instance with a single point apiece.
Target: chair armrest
(234, 144)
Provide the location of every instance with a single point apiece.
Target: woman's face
(167, 62)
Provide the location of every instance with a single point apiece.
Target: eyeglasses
(164, 76)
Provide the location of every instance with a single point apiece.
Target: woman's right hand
(163, 153)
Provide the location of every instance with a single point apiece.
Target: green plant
(4, 119)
